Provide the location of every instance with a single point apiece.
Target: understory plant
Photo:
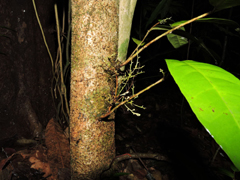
(212, 92)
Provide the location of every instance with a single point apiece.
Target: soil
(169, 127)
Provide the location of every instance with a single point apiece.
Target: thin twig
(133, 96)
(164, 34)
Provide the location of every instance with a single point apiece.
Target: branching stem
(164, 34)
(133, 96)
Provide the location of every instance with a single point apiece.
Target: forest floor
(169, 127)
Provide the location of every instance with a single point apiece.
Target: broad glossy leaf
(214, 96)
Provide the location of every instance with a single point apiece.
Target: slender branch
(164, 34)
(140, 44)
(133, 96)
(134, 54)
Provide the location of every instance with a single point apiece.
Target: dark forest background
(167, 125)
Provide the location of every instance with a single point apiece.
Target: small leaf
(178, 23)
(214, 96)
(234, 168)
(226, 172)
(224, 4)
(190, 37)
(138, 41)
(220, 21)
(176, 40)
(162, 8)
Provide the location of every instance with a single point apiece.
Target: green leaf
(224, 4)
(162, 8)
(191, 37)
(226, 172)
(214, 96)
(138, 41)
(220, 21)
(176, 40)
(234, 169)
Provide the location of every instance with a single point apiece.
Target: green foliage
(138, 42)
(204, 35)
(176, 40)
(179, 37)
(162, 8)
(220, 21)
(224, 4)
(214, 96)
(183, 36)
(226, 172)
(213, 93)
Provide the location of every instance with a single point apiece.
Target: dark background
(167, 126)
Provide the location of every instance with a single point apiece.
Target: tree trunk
(94, 51)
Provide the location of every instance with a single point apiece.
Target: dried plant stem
(133, 96)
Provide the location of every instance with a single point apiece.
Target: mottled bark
(94, 51)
